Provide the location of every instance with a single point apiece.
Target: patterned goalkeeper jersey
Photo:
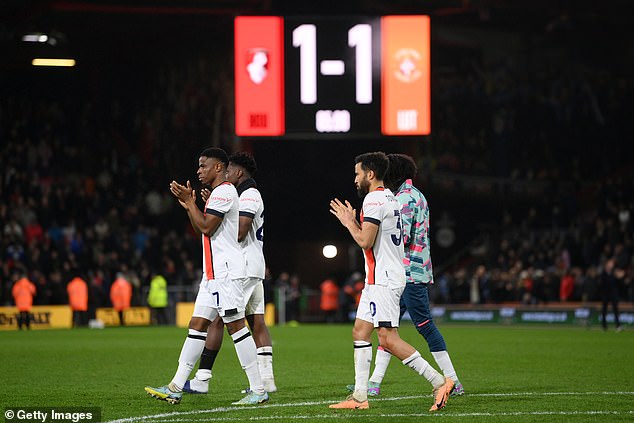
(415, 217)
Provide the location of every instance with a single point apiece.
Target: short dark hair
(402, 167)
(246, 161)
(376, 161)
(216, 153)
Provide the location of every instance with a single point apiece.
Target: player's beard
(363, 188)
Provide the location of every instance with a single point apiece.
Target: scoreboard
(332, 76)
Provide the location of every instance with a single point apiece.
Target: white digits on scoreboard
(305, 37)
(359, 37)
(332, 121)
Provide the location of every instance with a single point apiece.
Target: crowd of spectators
(543, 121)
(555, 132)
(546, 255)
(83, 188)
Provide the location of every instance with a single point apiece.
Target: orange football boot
(441, 395)
(351, 403)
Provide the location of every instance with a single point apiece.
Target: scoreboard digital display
(325, 76)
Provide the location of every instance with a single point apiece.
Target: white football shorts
(254, 296)
(220, 297)
(380, 305)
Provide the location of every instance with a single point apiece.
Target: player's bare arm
(245, 225)
(204, 224)
(363, 234)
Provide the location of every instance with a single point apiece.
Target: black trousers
(24, 318)
(610, 298)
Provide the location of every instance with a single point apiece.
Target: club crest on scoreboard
(257, 64)
(408, 63)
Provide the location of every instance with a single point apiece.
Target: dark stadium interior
(529, 169)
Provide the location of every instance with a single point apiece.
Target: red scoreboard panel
(259, 75)
(332, 76)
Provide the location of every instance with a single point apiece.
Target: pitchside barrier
(42, 317)
(134, 316)
(579, 314)
(560, 314)
(571, 313)
(184, 314)
(61, 317)
(508, 315)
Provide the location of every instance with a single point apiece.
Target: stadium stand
(83, 189)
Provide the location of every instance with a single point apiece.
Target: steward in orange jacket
(77, 290)
(23, 292)
(329, 299)
(120, 296)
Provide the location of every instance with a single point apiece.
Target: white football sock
(203, 375)
(192, 348)
(245, 349)
(362, 362)
(265, 362)
(445, 364)
(422, 367)
(381, 361)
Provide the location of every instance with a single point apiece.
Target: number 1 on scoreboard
(359, 37)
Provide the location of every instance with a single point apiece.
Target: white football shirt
(222, 255)
(251, 205)
(384, 261)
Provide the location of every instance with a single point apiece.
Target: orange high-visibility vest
(23, 292)
(329, 296)
(121, 294)
(77, 294)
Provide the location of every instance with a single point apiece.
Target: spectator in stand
(526, 288)
(269, 295)
(280, 291)
(589, 284)
(483, 284)
(283, 280)
(23, 292)
(443, 289)
(356, 291)
(120, 296)
(474, 289)
(77, 290)
(567, 286)
(293, 297)
(538, 286)
(348, 295)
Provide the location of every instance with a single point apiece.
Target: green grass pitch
(510, 374)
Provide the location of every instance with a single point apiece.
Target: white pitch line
(225, 409)
(534, 394)
(451, 415)
(176, 414)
